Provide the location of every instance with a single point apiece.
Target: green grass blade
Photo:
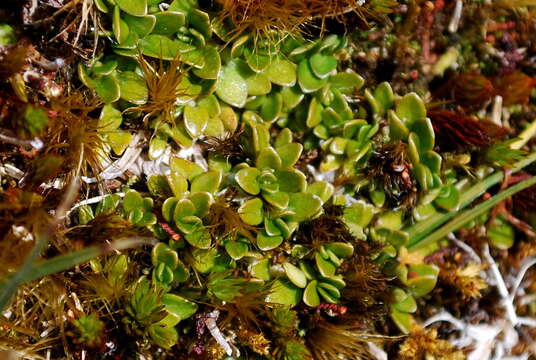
(421, 229)
(8, 289)
(469, 215)
(59, 263)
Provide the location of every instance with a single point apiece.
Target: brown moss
(263, 17)
(423, 344)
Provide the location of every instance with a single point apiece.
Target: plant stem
(524, 136)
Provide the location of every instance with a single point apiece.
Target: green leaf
(179, 306)
(107, 88)
(304, 205)
(200, 239)
(212, 66)
(119, 26)
(163, 336)
(340, 249)
(422, 279)
(268, 159)
(157, 147)
(308, 81)
(325, 267)
(310, 295)
(132, 201)
(289, 154)
(266, 242)
(195, 120)
(411, 108)
(292, 96)
(346, 82)
(133, 7)
(247, 178)
(501, 234)
(207, 182)
(251, 211)
(256, 61)
(236, 249)
(284, 293)
(133, 87)
(281, 72)
(232, 87)
(295, 275)
(200, 21)
(110, 118)
(451, 201)
(322, 189)
(142, 25)
(402, 320)
(291, 181)
(261, 270)
(424, 130)
(383, 94)
(168, 22)
(314, 114)
(202, 202)
(322, 65)
(258, 84)
(185, 168)
(160, 47)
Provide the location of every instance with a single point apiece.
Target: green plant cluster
(297, 90)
